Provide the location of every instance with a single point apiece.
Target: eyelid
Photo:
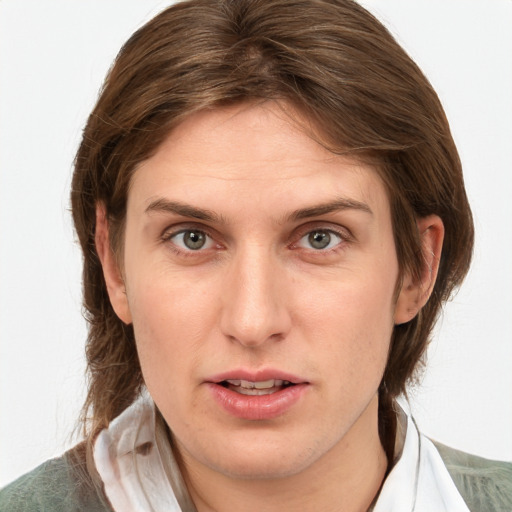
(180, 227)
(209, 242)
(343, 232)
(333, 234)
(172, 231)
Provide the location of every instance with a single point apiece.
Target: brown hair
(331, 60)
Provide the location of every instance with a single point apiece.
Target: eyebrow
(185, 210)
(330, 207)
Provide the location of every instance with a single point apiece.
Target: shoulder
(60, 485)
(485, 485)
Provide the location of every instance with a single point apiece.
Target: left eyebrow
(185, 210)
(330, 207)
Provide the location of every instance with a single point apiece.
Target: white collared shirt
(140, 473)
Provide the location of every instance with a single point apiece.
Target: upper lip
(256, 376)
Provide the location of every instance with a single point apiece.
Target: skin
(259, 295)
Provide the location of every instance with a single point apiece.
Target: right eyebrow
(163, 205)
(330, 207)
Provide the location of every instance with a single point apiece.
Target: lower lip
(257, 407)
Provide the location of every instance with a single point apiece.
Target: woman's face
(260, 272)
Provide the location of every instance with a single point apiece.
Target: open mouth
(263, 395)
(245, 387)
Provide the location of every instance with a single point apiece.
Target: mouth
(258, 388)
(262, 395)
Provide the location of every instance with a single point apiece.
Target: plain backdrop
(53, 57)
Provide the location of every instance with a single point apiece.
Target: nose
(255, 302)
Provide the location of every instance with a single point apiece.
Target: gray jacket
(64, 484)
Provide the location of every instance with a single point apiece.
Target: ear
(415, 292)
(113, 277)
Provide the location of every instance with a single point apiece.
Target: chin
(253, 457)
(265, 467)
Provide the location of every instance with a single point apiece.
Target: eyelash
(168, 236)
(343, 236)
(324, 231)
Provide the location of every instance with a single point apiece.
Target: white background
(53, 57)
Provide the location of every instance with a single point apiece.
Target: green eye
(192, 240)
(320, 239)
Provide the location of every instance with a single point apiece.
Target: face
(260, 272)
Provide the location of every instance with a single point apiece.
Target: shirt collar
(136, 464)
(419, 480)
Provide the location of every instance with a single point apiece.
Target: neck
(347, 478)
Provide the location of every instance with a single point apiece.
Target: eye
(320, 239)
(191, 240)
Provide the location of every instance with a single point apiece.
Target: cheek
(351, 322)
(170, 320)
(164, 301)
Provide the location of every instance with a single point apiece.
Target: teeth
(268, 384)
(265, 384)
(261, 385)
(255, 392)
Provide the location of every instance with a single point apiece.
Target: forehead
(252, 152)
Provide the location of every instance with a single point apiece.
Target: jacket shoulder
(58, 485)
(485, 485)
